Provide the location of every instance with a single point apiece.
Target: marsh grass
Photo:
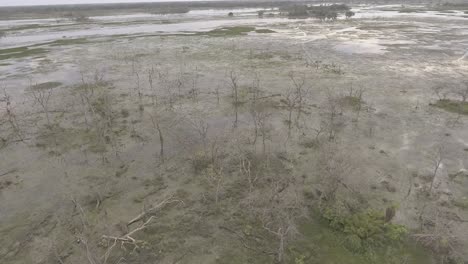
(229, 31)
(46, 85)
(453, 106)
(461, 203)
(65, 42)
(352, 102)
(20, 52)
(264, 31)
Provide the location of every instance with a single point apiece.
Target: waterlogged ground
(396, 58)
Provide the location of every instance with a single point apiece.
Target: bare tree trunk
(437, 162)
(234, 88)
(161, 143)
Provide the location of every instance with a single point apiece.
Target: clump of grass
(310, 143)
(20, 52)
(264, 31)
(264, 56)
(461, 203)
(46, 85)
(453, 106)
(230, 31)
(124, 113)
(353, 102)
(200, 162)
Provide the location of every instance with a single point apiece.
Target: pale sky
(62, 2)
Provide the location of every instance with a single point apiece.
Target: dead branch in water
(154, 209)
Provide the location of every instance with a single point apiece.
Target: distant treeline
(321, 12)
(155, 7)
(52, 11)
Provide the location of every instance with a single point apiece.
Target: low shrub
(365, 228)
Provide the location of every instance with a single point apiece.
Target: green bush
(367, 227)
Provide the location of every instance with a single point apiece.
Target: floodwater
(39, 31)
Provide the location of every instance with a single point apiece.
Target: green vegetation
(354, 102)
(234, 31)
(461, 203)
(63, 42)
(453, 106)
(349, 14)
(365, 229)
(264, 31)
(323, 244)
(229, 31)
(46, 85)
(20, 52)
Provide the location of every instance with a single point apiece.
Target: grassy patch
(34, 26)
(410, 10)
(200, 162)
(229, 31)
(461, 203)
(264, 31)
(64, 42)
(20, 52)
(453, 106)
(353, 102)
(46, 85)
(323, 244)
(264, 56)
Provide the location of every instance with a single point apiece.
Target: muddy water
(37, 31)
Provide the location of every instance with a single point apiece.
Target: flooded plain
(85, 106)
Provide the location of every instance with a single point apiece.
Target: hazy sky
(57, 2)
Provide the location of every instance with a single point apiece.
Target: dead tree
(301, 94)
(217, 94)
(263, 119)
(151, 74)
(294, 99)
(290, 100)
(11, 117)
(215, 178)
(278, 207)
(438, 237)
(201, 127)
(235, 94)
(42, 97)
(147, 216)
(331, 115)
(255, 106)
(463, 92)
(194, 91)
(156, 126)
(437, 162)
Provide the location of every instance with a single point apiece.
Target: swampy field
(234, 132)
